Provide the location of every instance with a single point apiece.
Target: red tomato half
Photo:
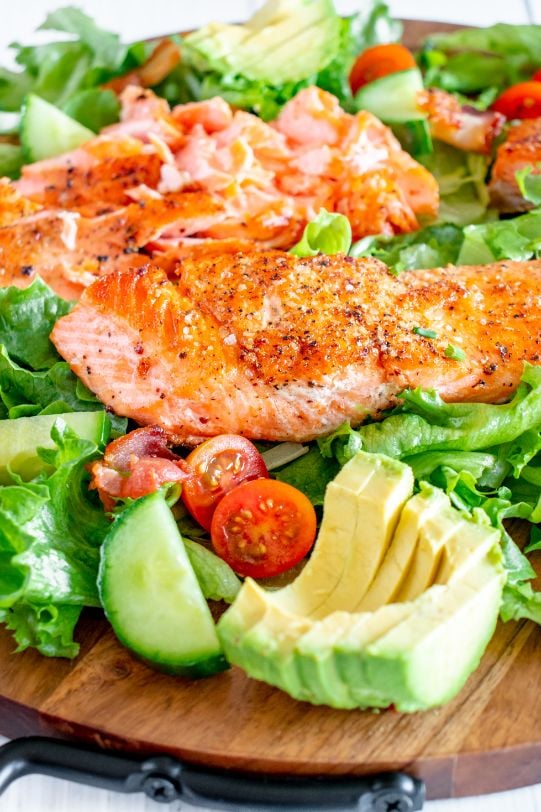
(520, 101)
(263, 528)
(219, 465)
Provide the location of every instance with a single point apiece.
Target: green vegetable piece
(11, 160)
(151, 595)
(414, 136)
(217, 580)
(458, 354)
(50, 535)
(477, 58)
(106, 47)
(328, 233)
(393, 98)
(461, 176)
(517, 238)
(425, 332)
(46, 131)
(93, 108)
(431, 247)
(529, 184)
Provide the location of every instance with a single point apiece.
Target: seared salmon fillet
(521, 148)
(277, 347)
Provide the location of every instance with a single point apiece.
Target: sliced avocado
(316, 663)
(433, 536)
(413, 654)
(349, 648)
(418, 511)
(425, 660)
(286, 41)
(360, 513)
(462, 551)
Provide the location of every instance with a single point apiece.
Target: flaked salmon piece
(13, 206)
(281, 348)
(313, 117)
(359, 158)
(70, 251)
(144, 114)
(213, 115)
(521, 148)
(94, 178)
(462, 126)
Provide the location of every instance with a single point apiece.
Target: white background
(136, 19)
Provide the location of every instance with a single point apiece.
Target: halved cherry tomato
(378, 61)
(219, 465)
(537, 76)
(263, 528)
(520, 101)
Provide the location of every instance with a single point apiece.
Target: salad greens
(64, 72)
(33, 378)
(474, 60)
(50, 533)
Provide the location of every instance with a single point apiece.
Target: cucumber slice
(20, 438)
(150, 593)
(46, 131)
(392, 98)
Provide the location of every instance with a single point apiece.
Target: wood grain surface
(488, 739)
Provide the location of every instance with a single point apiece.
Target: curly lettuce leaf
(106, 48)
(49, 628)
(327, 233)
(461, 176)
(51, 530)
(516, 239)
(33, 377)
(427, 423)
(30, 312)
(431, 247)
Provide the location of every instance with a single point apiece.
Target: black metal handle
(165, 779)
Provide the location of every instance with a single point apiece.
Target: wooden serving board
(488, 739)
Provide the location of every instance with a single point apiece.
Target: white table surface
(141, 18)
